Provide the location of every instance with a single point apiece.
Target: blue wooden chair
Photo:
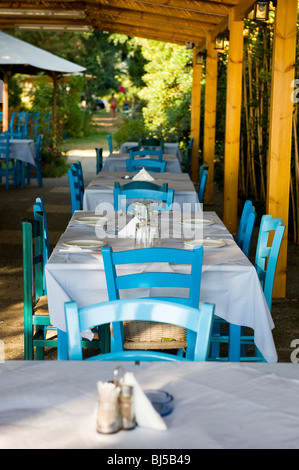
(22, 124)
(99, 160)
(8, 168)
(197, 322)
(123, 195)
(151, 165)
(202, 185)
(265, 264)
(39, 206)
(248, 209)
(35, 172)
(187, 157)
(34, 124)
(110, 145)
(12, 126)
(145, 153)
(144, 337)
(36, 314)
(151, 143)
(75, 184)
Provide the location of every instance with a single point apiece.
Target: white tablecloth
(100, 189)
(23, 149)
(50, 404)
(229, 280)
(117, 162)
(170, 148)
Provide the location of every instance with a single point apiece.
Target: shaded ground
(17, 203)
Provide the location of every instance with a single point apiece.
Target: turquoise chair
(22, 124)
(8, 167)
(99, 160)
(265, 264)
(197, 322)
(144, 153)
(150, 142)
(123, 195)
(133, 163)
(117, 284)
(75, 184)
(150, 164)
(36, 314)
(34, 124)
(202, 186)
(248, 209)
(110, 145)
(39, 206)
(12, 127)
(187, 157)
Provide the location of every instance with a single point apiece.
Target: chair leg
(28, 336)
(234, 343)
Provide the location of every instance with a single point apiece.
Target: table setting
(100, 189)
(229, 280)
(43, 404)
(117, 162)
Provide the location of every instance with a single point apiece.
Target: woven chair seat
(41, 306)
(151, 335)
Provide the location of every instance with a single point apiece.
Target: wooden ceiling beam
(146, 33)
(143, 31)
(113, 14)
(243, 8)
(163, 27)
(158, 9)
(214, 7)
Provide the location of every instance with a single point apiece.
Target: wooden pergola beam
(162, 9)
(280, 131)
(210, 118)
(174, 38)
(232, 124)
(118, 14)
(195, 116)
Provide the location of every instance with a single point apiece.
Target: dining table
(172, 148)
(229, 280)
(23, 150)
(100, 189)
(117, 162)
(54, 405)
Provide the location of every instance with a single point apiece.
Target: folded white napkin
(143, 175)
(129, 230)
(145, 413)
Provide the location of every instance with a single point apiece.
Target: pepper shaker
(126, 400)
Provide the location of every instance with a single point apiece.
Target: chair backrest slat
(142, 190)
(199, 322)
(267, 253)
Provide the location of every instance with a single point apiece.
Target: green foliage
(168, 90)
(130, 131)
(14, 93)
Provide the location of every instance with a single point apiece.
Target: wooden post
(233, 120)
(195, 116)
(5, 101)
(210, 118)
(280, 131)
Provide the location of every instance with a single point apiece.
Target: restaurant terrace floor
(18, 203)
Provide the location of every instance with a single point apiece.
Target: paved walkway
(17, 203)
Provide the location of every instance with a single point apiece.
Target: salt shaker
(127, 407)
(109, 418)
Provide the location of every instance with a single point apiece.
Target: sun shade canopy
(22, 57)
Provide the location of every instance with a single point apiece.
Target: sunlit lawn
(102, 125)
